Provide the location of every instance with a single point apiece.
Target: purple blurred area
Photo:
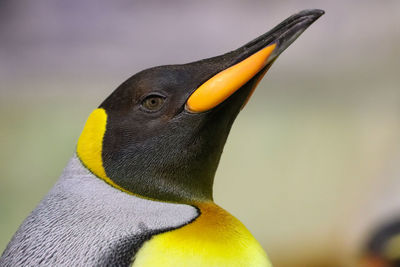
(65, 37)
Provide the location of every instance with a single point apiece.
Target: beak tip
(316, 13)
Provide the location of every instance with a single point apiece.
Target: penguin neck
(177, 186)
(164, 172)
(184, 183)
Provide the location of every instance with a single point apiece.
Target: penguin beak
(249, 62)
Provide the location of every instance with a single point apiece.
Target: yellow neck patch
(214, 239)
(90, 145)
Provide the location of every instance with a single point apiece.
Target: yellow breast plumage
(214, 239)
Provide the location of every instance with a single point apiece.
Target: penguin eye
(153, 103)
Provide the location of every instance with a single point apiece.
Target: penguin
(139, 189)
(382, 249)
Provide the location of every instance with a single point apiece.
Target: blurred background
(313, 162)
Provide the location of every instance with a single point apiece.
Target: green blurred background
(312, 163)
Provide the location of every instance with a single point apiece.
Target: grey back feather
(85, 222)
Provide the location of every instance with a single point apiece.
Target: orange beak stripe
(222, 85)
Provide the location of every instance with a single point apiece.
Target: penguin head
(161, 133)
